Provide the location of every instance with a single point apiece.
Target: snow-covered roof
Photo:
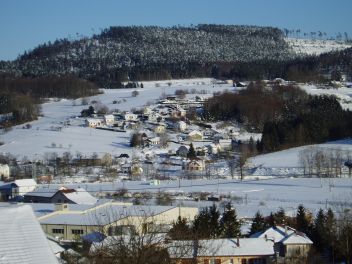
(42, 192)
(25, 183)
(80, 196)
(102, 215)
(223, 247)
(194, 132)
(285, 235)
(55, 247)
(77, 196)
(22, 238)
(275, 233)
(296, 238)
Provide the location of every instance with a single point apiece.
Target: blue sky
(25, 23)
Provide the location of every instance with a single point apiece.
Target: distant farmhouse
(61, 195)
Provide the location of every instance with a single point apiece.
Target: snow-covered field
(315, 46)
(250, 195)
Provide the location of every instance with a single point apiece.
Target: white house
(225, 144)
(154, 141)
(160, 129)
(195, 135)
(155, 117)
(147, 110)
(181, 125)
(131, 117)
(109, 120)
(194, 165)
(4, 171)
(94, 122)
(214, 148)
(24, 186)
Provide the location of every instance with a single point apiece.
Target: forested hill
(152, 52)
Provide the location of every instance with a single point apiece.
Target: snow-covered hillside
(43, 136)
(315, 46)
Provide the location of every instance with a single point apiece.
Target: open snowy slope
(289, 158)
(315, 46)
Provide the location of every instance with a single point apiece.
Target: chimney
(61, 207)
(286, 230)
(266, 237)
(238, 241)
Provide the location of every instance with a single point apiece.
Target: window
(58, 231)
(77, 232)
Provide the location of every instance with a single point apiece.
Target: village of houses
(85, 202)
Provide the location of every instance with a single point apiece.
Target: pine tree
(214, 226)
(270, 221)
(191, 152)
(258, 224)
(280, 217)
(201, 224)
(180, 229)
(302, 223)
(229, 225)
(319, 231)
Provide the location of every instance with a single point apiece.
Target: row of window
(62, 231)
(243, 261)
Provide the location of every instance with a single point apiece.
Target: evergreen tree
(280, 217)
(191, 152)
(271, 220)
(302, 223)
(180, 229)
(331, 234)
(201, 224)
(214, 226)
(258, 224)
(319, 231)
(229, 225)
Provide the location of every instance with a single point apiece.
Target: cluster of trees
(286, 115)
(314, 120)
(48, 86)
(253, 106)
(20, 97)
(323, 162)
(209, 223)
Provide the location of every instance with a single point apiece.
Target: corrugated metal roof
(22, 238)
(102, 215)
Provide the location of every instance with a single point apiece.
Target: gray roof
(43, 192)
(22, 238)
(222, 247)
(102, 215)
(41, 209)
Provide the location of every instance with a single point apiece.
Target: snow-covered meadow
(248, 196)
